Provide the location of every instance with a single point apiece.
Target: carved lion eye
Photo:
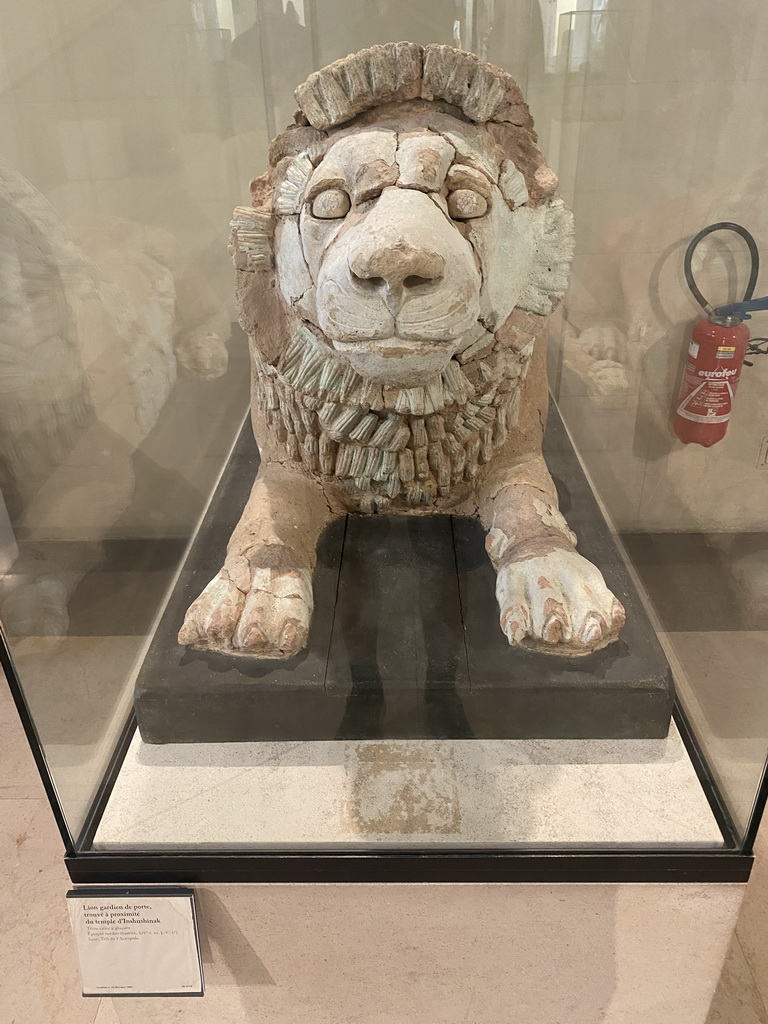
(332, 203)
(464, 204)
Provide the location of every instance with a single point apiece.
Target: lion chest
(390, 447)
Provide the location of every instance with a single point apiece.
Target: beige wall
(137, 110)
(657, 130)
(653, 114)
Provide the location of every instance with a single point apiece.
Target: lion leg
(260, 603)
(550, 597)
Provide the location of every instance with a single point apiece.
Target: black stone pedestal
(405, 640)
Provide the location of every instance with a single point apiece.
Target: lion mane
(393, 447)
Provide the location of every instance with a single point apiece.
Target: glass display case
(408, 739)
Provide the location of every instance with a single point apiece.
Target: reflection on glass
(128, 134)
(121, 388)
(643, 176)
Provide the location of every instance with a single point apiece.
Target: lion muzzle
(399, 288)
(397, 271)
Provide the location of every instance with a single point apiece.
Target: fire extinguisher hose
(723, 225)
(757, 346)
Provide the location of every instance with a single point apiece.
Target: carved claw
(557, 603)
(270, 621)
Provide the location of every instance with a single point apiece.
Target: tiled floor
(737, 1000)
(39, 982)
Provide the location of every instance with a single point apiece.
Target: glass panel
(654, 108)
(122, 384)
(129, 133)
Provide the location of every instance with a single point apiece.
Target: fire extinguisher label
(726, 352)
(693, 349)
(705, 403)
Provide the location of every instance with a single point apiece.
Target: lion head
(407, 214)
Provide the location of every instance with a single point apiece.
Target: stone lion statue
(395, 274)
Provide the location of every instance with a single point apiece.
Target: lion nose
(398, 267)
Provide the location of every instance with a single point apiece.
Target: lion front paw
(557, 603)
(270, 621)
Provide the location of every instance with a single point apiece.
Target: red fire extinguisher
(716, 353)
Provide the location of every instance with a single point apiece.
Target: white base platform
(398, 793)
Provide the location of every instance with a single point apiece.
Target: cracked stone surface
(395, 274)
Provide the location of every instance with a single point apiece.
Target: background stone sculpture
(398, 345)
(96, 324)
